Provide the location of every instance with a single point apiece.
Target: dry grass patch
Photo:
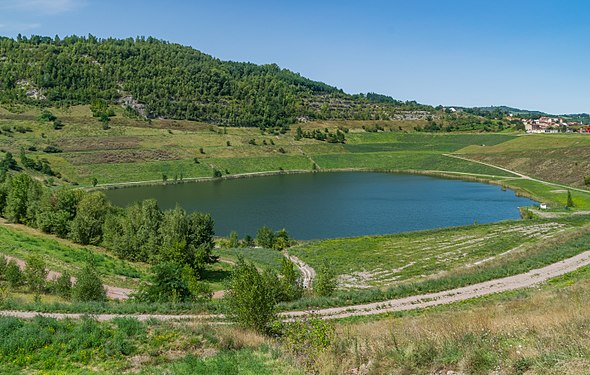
(534, 331)
(98, 143)
(122, 156)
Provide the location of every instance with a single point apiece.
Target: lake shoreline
(463, 176)
(336, 196)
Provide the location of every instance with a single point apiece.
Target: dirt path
(524, 280)
(307, 272)
(113, 292)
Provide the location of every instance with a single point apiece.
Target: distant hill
(161, 79)
(501, 111)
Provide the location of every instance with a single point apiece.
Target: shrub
(13, 274)
(233, 242)
(52, 150)
(251, 297)
(88, 286)
(35, 274)
(63, 286)
(165, 285)
(281, 240)
(3, 264)
(307, 339)
(265, 237)
(58, 125)
(47, 116)
(325, 281)
(290, 282)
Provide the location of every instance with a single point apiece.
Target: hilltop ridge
(159, 79)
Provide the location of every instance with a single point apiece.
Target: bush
(325, 281)
(58, 125)
(307, 339)
(265, 237)
(88, 286)
(281, 240)
(52, 150)
(290, 282)
(13, 274)
(3, 264)
(165, 285)
(251, 297)
(173, 283)
(62, 286)
(47, 116)
(35, 274)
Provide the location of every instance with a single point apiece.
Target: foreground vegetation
(544, 331)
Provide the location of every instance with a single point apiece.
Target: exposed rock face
(30, 90)
(129, 101)
(35, 94)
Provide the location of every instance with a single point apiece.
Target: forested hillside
(161, 79)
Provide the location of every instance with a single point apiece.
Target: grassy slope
(540, 330)
(126, 345)
(61, 255)
(524, 258)
(537, 330)
(133, 150)
(262, 258)
(558, 158)
(379, 261)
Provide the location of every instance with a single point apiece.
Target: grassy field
(377, 261)
(537, 330)
(262, 258)
(556, 197)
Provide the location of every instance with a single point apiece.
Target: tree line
(140, 232)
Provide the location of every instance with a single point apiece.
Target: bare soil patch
(98, 143)
(124, 156)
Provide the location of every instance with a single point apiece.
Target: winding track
(524, 280)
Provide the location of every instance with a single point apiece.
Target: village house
(545, 124)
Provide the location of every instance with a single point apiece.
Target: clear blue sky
(521, 53)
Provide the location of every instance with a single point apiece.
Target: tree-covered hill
(162, 79)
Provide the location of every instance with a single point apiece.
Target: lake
(339, 204)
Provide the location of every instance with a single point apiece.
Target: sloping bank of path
(505, 284)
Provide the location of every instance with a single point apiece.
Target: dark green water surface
(329, 205)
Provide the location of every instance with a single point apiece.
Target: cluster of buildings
(546, 124)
